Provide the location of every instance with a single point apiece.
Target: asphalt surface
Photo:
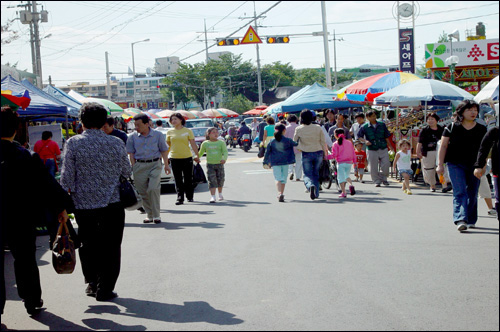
(380, 260)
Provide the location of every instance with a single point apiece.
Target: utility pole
(335, 58)
(32, 17)
(259, 79)
(206, 39)
(36, 18)
(108, 81)
(327, 53)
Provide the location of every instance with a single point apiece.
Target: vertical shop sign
(406, 51)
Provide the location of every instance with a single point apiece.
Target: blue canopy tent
(313, 97)
(73, 104)
(40, 106)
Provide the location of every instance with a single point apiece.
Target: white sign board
(470, 53)
(35, 134)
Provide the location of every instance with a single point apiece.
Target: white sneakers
(461, 226)
(213, 199)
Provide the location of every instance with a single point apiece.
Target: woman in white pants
(427, 149)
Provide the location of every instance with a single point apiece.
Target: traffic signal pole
(327, 53)
(259, 79)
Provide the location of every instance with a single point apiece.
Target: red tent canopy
(259, 110)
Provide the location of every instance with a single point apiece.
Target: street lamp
(453, 59)
(452, 62)
(133, 66)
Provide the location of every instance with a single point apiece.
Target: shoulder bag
(63, 251)
(129, 196)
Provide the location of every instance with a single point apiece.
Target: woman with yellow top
(178, 139)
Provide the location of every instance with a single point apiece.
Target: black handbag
(129, 197)
(199, 174)
(63, 251)
(262, 152)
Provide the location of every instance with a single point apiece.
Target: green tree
(238, 103)
(231, 74)
(308, 76)
(277, 74)
(191, 83)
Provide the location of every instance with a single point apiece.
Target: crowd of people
(95, 160)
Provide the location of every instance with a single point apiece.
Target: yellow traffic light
(278, 40)
(228, 42)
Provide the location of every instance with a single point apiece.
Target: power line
(196, 38)
(247, 24)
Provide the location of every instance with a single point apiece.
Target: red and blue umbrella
(22, 100)
(366, 90)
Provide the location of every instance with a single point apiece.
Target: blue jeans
(465, 189)
(51, 166)
(311, 163)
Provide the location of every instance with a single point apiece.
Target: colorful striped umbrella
(152, 116)
(213, 113)
(165, 114)
(366, 90)
(199, 114)
(186, 114)
(23, 100)
(229, 113)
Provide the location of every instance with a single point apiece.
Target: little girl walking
(216, 158)
(280, 154)
(403, 163)
(343, 153)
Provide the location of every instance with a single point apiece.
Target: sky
(78, 33)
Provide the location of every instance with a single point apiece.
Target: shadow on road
(177, 226)
(186, 212)
(480, 230)
(56, 323)
(190, 312)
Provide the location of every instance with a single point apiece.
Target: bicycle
(333, 177)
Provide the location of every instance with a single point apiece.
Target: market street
(380, 260)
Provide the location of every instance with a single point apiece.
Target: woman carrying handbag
(93, 164)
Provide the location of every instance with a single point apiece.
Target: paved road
(380, 260)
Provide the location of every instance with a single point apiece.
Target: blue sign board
(406, 51)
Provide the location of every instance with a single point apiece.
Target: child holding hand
(216, 158)
(343, 153)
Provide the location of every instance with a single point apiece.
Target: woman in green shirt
(179, 139)
(216, 158)
(269, 131)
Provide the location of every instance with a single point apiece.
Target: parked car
(200, 123)
(166, 124)
(165, 179)
(200, 135)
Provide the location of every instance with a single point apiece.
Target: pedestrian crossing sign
(251, 37)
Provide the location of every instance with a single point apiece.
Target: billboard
(470, 53)
(406, 51)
